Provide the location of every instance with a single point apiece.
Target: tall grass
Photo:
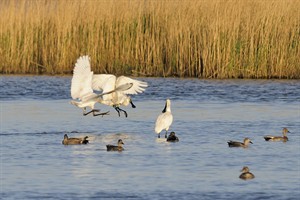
(192, 38)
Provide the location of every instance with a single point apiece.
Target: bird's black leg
(119, 109)
(85, 114)
(158, 135)
(132, 105)
(125, 113)
(102, 114)
(166, 134)
(92, 111)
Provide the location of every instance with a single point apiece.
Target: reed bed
(192, 38)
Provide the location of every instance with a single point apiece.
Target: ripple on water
(207, 113)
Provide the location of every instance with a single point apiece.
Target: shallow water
(35, 114)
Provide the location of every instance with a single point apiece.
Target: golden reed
(191, 38)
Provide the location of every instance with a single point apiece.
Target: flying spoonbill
(164, 120)
(109, 82)
(81, 87)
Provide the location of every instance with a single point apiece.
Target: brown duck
(115, 148)
(246, 174)
(239, 144)
(70, 141)
(283, 138)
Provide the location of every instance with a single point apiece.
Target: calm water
(35, 114)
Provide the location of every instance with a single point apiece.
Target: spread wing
(137, 86)
(81, 84)
(104, 82)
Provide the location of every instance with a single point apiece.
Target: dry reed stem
(208, 39)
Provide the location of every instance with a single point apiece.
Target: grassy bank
(201, 38)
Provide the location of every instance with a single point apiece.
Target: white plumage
(108, 82)
(164, 120)
(81, 87)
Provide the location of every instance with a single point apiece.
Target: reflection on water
(35, 114)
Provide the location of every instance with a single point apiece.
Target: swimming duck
(68, 141)
(172, 137)
(283, 138)
(115, 148)
(164, 120)
(239, 144)
(246, 174)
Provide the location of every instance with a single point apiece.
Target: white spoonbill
(109, 82)
(81, 87)
(164, 120)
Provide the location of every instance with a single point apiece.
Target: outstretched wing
(137, 86)
(81, 84)
(104, 82)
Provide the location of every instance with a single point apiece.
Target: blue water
(35, 114)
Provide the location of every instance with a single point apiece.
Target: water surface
(35, 114)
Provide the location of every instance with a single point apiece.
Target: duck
(283, 138)
(246, 174)
(239, 144)
(172, 137)
(115, 148)
(70, 141)
(164, 120)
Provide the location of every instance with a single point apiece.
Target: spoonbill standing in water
(81, 87)
(109, 82)
(164, 120)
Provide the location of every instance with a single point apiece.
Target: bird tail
(267, 138)
(75, 103)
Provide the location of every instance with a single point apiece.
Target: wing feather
(104, 82)
(137, 86)
(82, 78)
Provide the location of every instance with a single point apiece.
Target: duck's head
(120, 142)
(172, 133)
(285, 131)
(247, 141)
(245, 169)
